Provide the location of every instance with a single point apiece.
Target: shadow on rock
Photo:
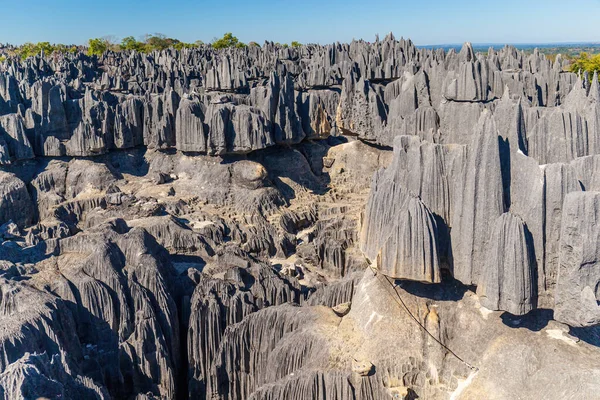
(449, 290)
(535, 320)
(590, 334)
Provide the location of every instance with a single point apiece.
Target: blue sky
(308, 21)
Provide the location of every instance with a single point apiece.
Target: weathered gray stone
(15, 202)
(507, 278)
(411, 252)
(190, 131)
(578, 279)
(208, 207)
(479, 201)
(16, 145)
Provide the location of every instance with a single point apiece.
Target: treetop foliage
(586, 62)
(156, 41)
(146, 44)
(97, 46)
(228, 40)
(31, 49)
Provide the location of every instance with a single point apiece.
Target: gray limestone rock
(190, 133)
(578, 278)
(479, 200)
(287, 124)
(15, 201)
(85, 176)
(318, 110)
(226, 77)
(16, 145)
(361, 111)
(217, 306)
(411, 251)
(507, 278)
(159, 120)
(428, 171)
(128, 125)
(37, 376)
(236, 129)
(249, 174)
(199, 222)
(559, 180)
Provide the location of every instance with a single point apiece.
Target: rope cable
(405, 307)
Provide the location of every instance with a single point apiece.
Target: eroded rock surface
(233, 224)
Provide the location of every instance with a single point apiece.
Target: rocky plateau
(352, 221)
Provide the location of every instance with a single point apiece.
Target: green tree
(26, 50)
(46, 47)
(228, 40)
(97, 46)
(31, 50)
(182, 45)
(296, 44)
(158, 41)
(129, 43)
(585, 62)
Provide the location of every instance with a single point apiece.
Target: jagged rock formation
(237, 101)
(578, 279)
(411, 252)
(200, 223)
(15, 202)
(507, 277)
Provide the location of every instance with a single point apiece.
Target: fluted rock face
(267, 328)
(560, 180)
(124, 305)
(200, 223)
(15, 202)
(14, 144)
(80, 106)
(36, 322)
(39, 376)
(226, 77)
(578, 277)
(317, 385)
(424, 169)
(288, 129)
(479, 203)
(41, 353)
(411, 252)
(507, 278)
(238, 129)
(220, 303)
(361, 111)
(190, 131)
(470, 187)
(115, 318)
(159, 120)
(318, 111)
